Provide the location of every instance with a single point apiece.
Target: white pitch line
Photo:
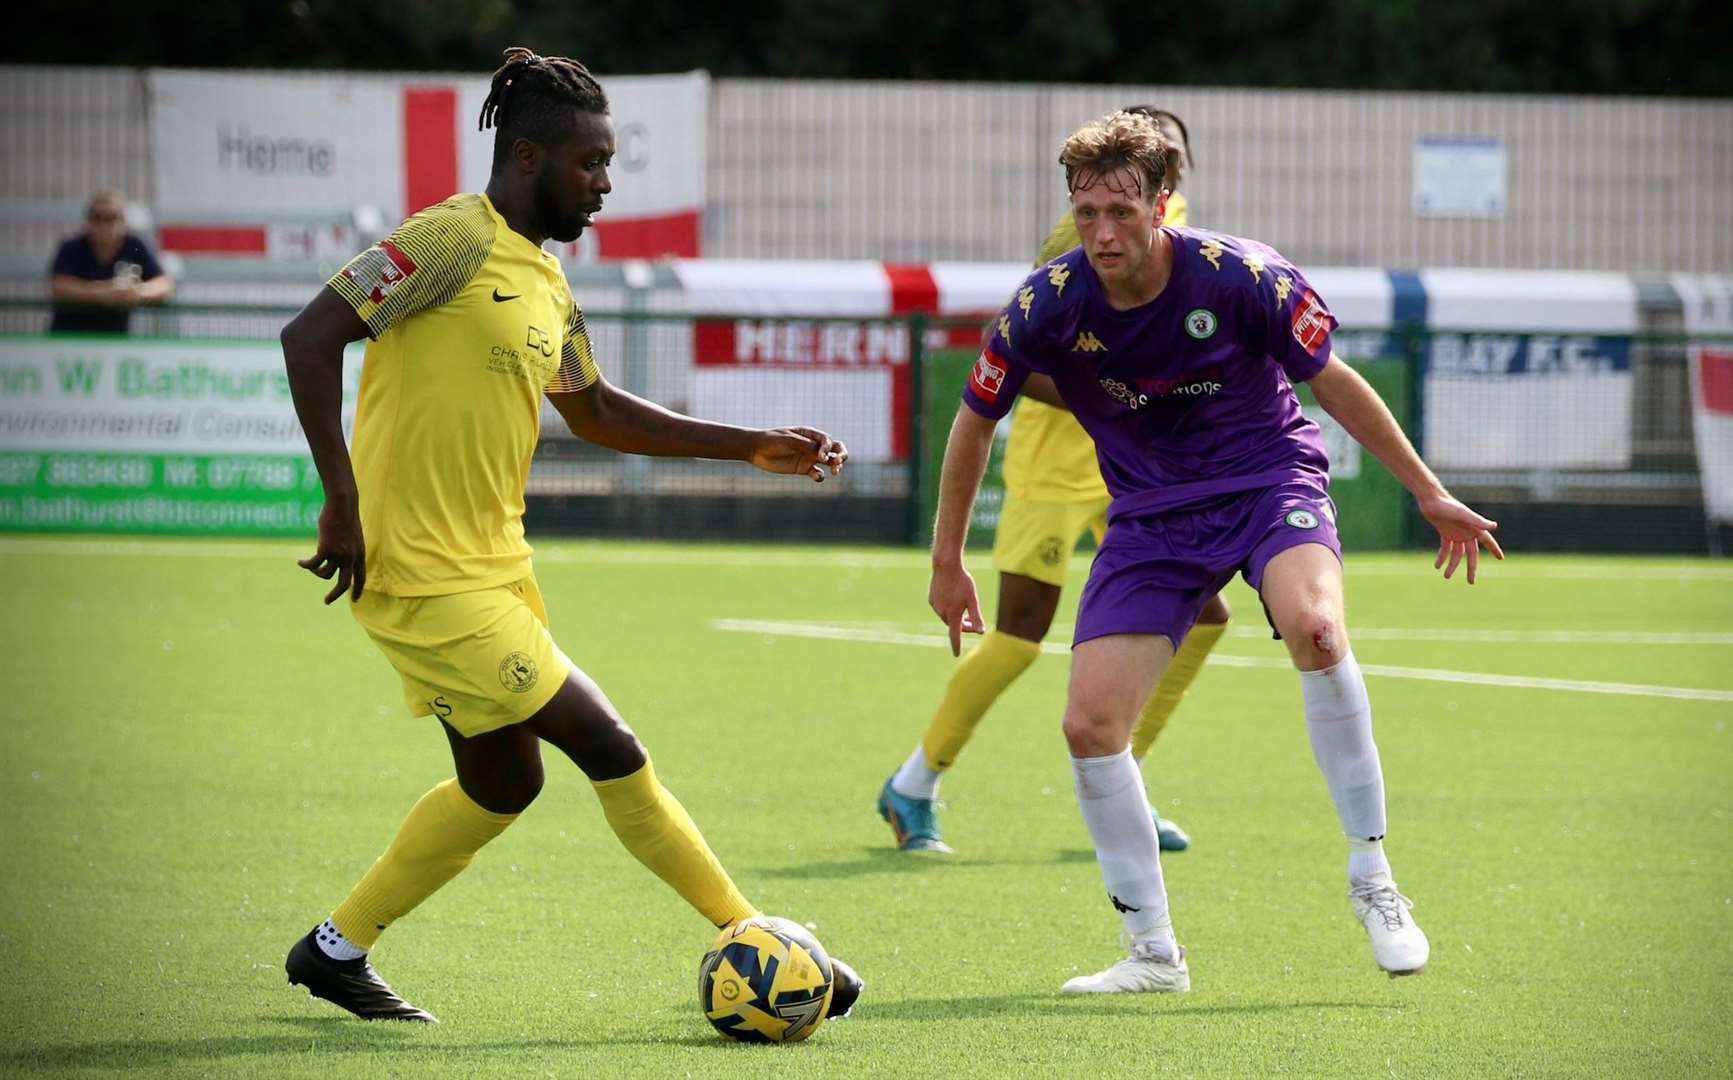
(1472, 635)
(210, 549)
(847, 559)
(1473, 678)
(1523, 637)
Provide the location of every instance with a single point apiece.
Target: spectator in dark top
(104, 272)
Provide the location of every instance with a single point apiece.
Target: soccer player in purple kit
(1178, 350)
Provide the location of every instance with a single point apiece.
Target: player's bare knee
(1090, 732)
(1319, 640)
(604, 750)
(1028, 624)
(501, 785)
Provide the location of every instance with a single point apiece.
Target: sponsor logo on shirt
(1200, 383)
(380, 269)
(1088, 342)
(531, 360)
(1124, 394)
(1311, 322)
(539, 340)
(1201, 323)
(987, 378)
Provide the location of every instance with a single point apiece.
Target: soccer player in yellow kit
(1053, 495)
(471, 322)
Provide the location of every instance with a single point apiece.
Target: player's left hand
(1461, 534)
(799, 451)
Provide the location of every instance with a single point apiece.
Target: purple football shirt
(1188, 396)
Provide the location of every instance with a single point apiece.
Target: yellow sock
(442, 833)
(976, 682)
(656, 829)
(1175, 681)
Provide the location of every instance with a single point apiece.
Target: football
(766, 979)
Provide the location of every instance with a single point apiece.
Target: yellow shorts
(1036, 538)
(477, 660)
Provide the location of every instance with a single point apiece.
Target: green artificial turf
(197, 760)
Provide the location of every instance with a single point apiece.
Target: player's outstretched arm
(952, 591)
(608, 416)
(313, 354)
(1362, 413)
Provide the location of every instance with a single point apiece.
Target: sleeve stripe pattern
(577, 363)
(426, 262)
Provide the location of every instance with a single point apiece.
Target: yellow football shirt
(1049, 457)
(470, 325)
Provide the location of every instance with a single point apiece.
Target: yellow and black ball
(766, 979)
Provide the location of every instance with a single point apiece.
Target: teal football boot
(914, 821)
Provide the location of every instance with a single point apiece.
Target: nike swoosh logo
(498, 299)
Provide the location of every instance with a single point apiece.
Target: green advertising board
(944, 373)
(1369, 501)
(115, 434)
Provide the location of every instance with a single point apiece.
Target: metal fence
(957, 171)
(1585, 445)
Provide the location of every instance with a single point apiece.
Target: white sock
(914, 779)
(1116, 811)
(333, 944)
(1339, 722)
(1366, 862)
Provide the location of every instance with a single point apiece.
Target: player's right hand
(1461, 534)
(952, 595)
(341, 550)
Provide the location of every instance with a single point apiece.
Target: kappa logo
(380, 269)
(1057, 276)
(1200, 323)
(518, 673)
(987, 378)
(1255, 263)
(1088, 342)
(1121, 906)
(1212, 250)
(1025, 297)
(1311, 322)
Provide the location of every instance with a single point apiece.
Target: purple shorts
(1155, 572)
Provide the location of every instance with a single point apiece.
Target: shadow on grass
(887, 860)
(939, 1009)
(334, 1035)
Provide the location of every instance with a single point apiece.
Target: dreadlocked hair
(532, 97)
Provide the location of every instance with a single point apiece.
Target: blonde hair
(1116, 141)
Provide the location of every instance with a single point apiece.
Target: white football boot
(1143, 972)
(1398, 943)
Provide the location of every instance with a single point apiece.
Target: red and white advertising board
(800, 339)
(260, 165)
